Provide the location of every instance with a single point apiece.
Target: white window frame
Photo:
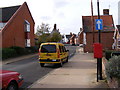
(27, 43)
(27, 26)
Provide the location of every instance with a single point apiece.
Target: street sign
(99, 24)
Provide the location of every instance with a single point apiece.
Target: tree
(55, 37)
(43, 38)
(43, 28)
(44, 35)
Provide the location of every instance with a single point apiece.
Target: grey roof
(7, 12)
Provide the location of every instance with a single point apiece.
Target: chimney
(55, 27)
(105, 11)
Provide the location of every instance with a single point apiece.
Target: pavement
(79, 72)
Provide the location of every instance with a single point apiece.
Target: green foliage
(56, 37)
(44, 28)
(43, 38)
(113, 67)
(32, 49)
(17, 51)
(44, 35)
(8, 52)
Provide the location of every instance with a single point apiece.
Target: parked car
(53, 53)
(10, 80)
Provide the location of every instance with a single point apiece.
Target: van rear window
(48, 49)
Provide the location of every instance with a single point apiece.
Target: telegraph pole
(92, 21)
(99, 18)
(99, 60)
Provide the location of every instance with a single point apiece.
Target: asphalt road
(31, 70)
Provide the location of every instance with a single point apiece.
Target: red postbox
(98, 53)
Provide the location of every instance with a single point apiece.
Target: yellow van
(55, 53)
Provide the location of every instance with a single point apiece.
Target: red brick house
(91, 36)
(17, 26)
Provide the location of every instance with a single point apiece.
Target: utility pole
(92, 21)
(99, 60)
(99, 18)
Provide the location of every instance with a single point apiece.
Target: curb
(8, 61)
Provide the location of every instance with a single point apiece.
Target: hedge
(108, 53)
(17, 51)
(8, 52)
(113, 67)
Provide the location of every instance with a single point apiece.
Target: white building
(119, 13)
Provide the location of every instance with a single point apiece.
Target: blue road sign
(99, 24)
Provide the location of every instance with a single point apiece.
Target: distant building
(119, 13)
(116, 38)
(16, 26)
(107, 33)
(80, 36)
(117, 32)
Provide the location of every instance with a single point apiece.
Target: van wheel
(60, 64)
(42, 64)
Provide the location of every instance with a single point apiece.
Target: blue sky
(67, 14)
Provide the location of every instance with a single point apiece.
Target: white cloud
(60, 3)
(67, 14)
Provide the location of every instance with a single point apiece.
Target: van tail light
(58, 53)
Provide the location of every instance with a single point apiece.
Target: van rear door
(48, 51)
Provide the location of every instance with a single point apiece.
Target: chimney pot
(105, 11)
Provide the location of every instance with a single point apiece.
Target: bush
(113, 67)
(32, 49)
(8, 52)
(17, 51)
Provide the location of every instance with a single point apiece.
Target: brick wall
(106, 40)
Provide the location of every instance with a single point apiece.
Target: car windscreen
(48, 49)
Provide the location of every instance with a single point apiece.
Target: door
(62, 53)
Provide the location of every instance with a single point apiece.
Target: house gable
(13, 33)
(108, 24)
(91, 36)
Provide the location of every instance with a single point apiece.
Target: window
(48, 49)
(27, 43)
(27, 26)
(62, 49)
